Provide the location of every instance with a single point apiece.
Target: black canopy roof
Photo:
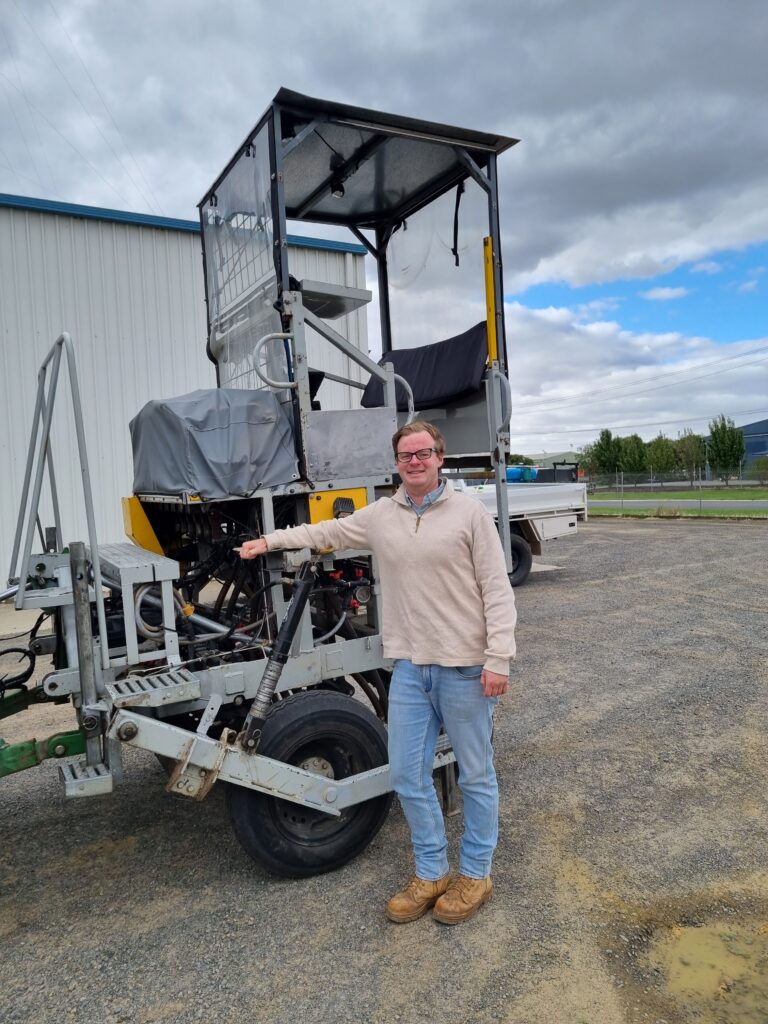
(352, 166)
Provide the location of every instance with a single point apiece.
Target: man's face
(419, 477)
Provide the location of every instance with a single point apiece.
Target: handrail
(44, 410)
(345, 346)
(274, 336)
(408, 394)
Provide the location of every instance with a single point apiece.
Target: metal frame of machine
(271, 676)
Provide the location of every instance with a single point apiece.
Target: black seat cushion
(439, 374)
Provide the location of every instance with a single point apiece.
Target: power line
(659, 387)
(566, 401)
(84, 158)
(32, 120)
(84, 108)
(34, 181)
(22, 134)
(104, 104)
(636, 426)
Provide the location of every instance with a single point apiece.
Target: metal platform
(125, 566)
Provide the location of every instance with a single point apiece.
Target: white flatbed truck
(537, 513)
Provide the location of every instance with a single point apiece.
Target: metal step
(170, 687)
(81, 779)
(131, 564)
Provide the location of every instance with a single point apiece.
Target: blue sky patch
(723, 297)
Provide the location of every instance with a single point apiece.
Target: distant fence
(675, 480)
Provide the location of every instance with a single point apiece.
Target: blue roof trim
(97, 213)
(150, 221)
(329, 244)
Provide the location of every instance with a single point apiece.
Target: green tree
(587, 459)
(726, 447)
(519, 460)
(691, 453)
(607, 452)
(759, 469)
(660, 454)
(633, 458)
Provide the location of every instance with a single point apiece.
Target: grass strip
(690, 494)
(678, 513)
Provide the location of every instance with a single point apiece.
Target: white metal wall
(132, 298)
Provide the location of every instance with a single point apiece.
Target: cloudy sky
(634, 212)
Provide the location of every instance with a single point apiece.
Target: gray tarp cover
(216, 443)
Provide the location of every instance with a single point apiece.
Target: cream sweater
(446, 597)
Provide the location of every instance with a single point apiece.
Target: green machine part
(15, 757)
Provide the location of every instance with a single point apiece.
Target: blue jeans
(422, 698)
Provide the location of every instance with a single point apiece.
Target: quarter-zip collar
(427, 500)
(401, 496)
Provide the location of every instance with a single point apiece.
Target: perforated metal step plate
(171, 687)
(81, 779)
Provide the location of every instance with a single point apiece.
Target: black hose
(371, 694)
(16, 682)
(222, 594)
(373, 676)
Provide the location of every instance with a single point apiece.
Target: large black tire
(522, 559)
(337, 735)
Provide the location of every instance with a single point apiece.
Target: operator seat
(447, 380)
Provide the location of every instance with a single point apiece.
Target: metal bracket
(188, 779)
(62, 683)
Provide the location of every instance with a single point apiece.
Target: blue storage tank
(521, 474)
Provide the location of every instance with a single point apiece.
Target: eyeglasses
(422, 455)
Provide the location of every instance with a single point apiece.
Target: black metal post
(382, 241)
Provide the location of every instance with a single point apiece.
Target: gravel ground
(632, 756)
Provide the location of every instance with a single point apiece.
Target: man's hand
(494, 685)
(253, 548)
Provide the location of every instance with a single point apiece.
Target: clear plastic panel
(430, 297)
(242, 282)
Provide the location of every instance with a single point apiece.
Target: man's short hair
(418, 427)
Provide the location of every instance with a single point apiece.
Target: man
(448, 620)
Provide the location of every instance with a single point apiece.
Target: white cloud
(621, 172)
(597, 308)
(570, 379)
(665, 294)
(748, 286)
(706, 267)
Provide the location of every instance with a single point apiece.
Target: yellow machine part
(321, 505)
(490, 299)
(138, 528)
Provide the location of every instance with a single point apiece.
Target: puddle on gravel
(718, 972)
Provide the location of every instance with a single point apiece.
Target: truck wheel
(330, 734)
(522, 559)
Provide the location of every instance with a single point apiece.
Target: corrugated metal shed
(129, 289)
(755, 440)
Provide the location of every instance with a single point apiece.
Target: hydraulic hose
(333, 631)
(250, 737)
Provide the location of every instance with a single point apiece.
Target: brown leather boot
(463, 898)
(415, 899)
